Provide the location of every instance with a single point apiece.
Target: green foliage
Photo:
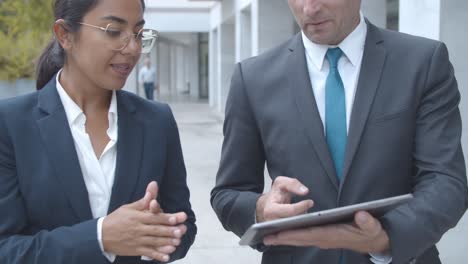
(25, 29)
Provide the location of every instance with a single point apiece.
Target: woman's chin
(115, 84)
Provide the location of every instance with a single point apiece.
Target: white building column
(226, 61)
(193, 68)
(213, 68)
(445, 21)
(164, 68)
(272, 24)
(375, 11)
(453, 28)
(173, 71)
(421, 18)
(243, 33)
(179, 73)
(453, 31)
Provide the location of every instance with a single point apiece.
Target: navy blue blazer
(44, 206)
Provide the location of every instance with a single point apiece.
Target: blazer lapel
(307, 107)
(59, 144)
(129, 152)
(369, 79)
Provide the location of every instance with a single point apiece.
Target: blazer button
(412, 261)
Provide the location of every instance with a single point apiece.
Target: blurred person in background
(147, 78)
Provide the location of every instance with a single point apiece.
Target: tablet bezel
(254, 235)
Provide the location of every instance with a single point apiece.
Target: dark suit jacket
(44, 205)
(404, 137)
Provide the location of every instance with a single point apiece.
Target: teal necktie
(335, 112)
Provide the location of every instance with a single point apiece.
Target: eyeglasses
(118, 39)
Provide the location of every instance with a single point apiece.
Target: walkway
(201, 137)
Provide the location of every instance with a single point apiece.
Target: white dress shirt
(349, 67)
(98, 173)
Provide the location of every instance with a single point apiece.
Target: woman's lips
(122, 69)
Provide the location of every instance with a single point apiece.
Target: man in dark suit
(343, 113)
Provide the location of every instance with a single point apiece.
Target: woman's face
(93, 53)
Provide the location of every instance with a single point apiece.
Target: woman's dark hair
(52, 58)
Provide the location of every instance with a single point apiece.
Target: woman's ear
(63, 34)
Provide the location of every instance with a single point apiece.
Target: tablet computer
(377, 208)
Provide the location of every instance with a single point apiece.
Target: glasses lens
(124, 40)
(148, 38)
(118, 39)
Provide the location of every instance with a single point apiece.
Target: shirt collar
(72, 110)
(75, 115)
(352, 46)
(112, 131)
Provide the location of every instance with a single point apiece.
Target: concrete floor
(201, 136)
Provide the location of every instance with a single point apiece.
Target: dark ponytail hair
(52, 58)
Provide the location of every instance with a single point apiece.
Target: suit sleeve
(174, 195)
(67, 244)
(440, 188)
(240, 178)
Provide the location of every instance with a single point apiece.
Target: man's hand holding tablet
(352, 227)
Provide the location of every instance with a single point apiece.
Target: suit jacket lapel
(129, 152)
(371, 71)
(59, 144)
(307, 107)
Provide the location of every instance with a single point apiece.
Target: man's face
(326, 22)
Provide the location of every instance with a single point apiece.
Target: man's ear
(63, 34)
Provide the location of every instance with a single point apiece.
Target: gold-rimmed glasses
(118, 39)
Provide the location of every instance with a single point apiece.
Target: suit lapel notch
(371, 71)
(307, 107)
(129, 152)
(60, 146)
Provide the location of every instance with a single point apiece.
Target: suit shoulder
(18, 105)
(410, 43)
(268, 59)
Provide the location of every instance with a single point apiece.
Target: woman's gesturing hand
(143, 229)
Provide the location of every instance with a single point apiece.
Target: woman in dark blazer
(90, 173)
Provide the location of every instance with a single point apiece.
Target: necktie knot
(333, 56)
